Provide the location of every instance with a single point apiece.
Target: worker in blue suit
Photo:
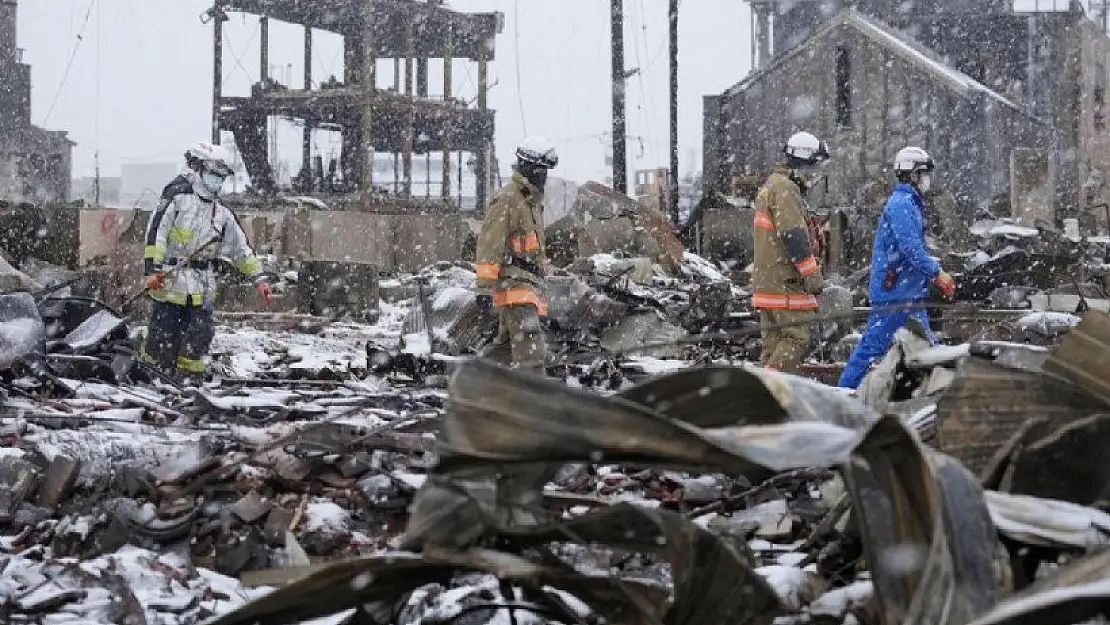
(901, 267)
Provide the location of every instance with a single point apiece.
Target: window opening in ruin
(843, 88)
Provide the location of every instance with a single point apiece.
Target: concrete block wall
(393, 243)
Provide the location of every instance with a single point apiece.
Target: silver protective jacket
(185, 235)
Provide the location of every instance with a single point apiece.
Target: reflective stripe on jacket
(783, 249)
(184, 223)
(900, 248)
(511, 254)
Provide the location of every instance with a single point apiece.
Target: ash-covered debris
(602, 308)
(815, 509)
(704, 494)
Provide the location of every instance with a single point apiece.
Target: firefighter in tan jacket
(786, 277)
(511, 259)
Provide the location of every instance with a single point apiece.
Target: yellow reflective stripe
(250, 266)
(180, 236)
(190, 365)
(179, 298)
(154, 252)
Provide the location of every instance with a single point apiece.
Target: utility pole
(673, 190)
(620, 163)
(96, 181)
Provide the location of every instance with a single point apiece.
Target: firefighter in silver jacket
(189, 230)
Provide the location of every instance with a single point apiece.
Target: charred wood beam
(470, 129)
(343, 17)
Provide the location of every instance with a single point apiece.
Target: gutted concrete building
(405, 121)
(990, 88)
(35, 164)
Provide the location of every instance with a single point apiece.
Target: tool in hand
(185, 263)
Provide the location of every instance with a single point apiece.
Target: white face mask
(213, 182)
(924, 181)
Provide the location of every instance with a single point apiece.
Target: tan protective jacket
(511, 256)
(783, 250)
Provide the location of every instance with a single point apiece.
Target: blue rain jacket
(900, 243)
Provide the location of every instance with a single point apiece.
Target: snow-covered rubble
(180, 504)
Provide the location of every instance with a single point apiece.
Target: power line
(69, 64)
(516, 55)
(96, 132)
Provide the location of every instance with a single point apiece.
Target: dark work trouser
(178, 338)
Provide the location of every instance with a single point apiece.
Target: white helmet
(806, 147)
(216, 158)
(535, 150)
(911, 159)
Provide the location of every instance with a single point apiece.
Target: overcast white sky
(139, 87)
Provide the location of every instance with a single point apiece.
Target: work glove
(814, 283)
(485, 304)
(156, 282)
(264, 290)
(946, 284)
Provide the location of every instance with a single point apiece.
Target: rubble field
(341, 472)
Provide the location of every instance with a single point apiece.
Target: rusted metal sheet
(928, 537)
(988, 404)
(1083, 357)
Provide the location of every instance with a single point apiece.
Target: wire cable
(516, 55)
(69, 64)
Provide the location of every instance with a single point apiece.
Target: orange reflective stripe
(807, 267)
(532, 242)
(784, 302)
(488, 271)
(763, 220)
(520, 297)
(527, 243)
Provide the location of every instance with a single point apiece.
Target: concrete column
(410, 125)
(264, 49)
(481, 164)
(448, 79)
(306, 138)
(368, 80)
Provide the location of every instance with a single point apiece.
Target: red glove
(946, 284)
(264, 290)
(157, 282)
